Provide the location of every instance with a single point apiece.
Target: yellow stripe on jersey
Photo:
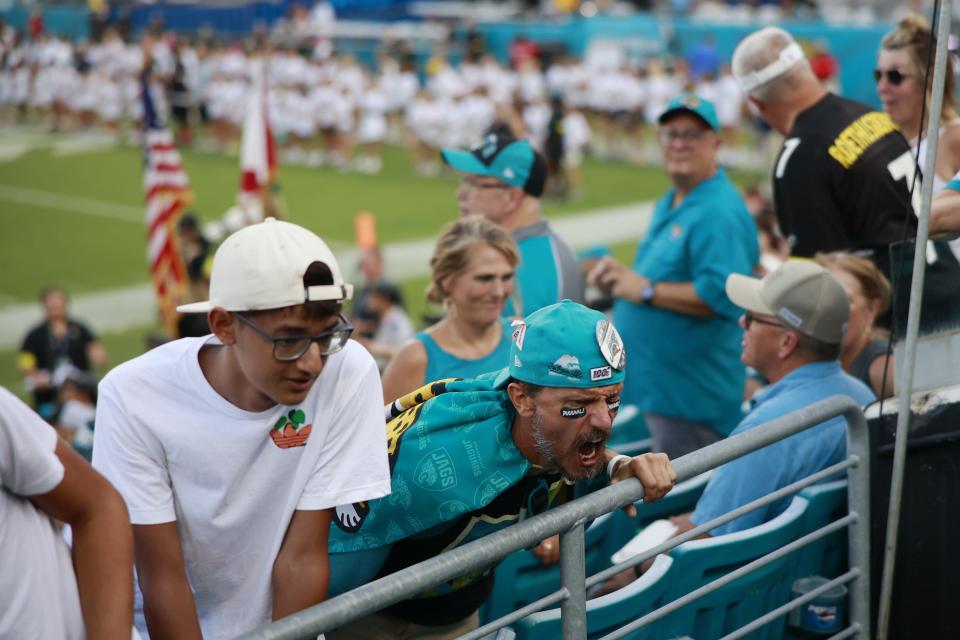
(859, 135)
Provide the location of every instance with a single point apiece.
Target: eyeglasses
(666, 136)
(894, 76)
(292, 348)
(749, 318)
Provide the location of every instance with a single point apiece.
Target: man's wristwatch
(646, 294)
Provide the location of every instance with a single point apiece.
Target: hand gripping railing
(568, 520)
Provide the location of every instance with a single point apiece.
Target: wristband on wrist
(614, 464)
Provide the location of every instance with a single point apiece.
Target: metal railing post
(906, 367)
(858, 501)
(573, 611)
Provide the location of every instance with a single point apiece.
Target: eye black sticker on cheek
(571, 413)
(613, 406)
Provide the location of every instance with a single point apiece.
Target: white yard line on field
(73, 204)
(133, 306)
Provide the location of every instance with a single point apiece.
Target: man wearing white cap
(843, 179)
(793, 324)
(232, 450)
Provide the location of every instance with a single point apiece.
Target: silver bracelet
(614, 463)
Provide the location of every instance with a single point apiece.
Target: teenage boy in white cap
(793, 325)
(472, 456)
(232, 450)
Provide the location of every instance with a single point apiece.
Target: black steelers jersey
(842, 181)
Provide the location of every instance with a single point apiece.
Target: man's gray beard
(549, 461)
(543, 446)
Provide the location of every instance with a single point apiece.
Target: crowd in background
(328, 108)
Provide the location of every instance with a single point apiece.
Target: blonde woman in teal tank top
(473, 269)
(443, 364)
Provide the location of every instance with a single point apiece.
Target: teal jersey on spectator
(680, 365)
(441, 364)
(548, 271)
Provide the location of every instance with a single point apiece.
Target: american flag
(168, 196)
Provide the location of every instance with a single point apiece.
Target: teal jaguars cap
(692, 103)
(512, 161)
(565, 345)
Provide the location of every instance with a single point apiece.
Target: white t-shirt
(38, 588)
(178, 451)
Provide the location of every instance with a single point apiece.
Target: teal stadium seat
(826, 557)
(681, 499)
(698, 562)
(610, 612)
(521, 578)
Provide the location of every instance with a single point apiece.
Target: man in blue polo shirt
(793, 326)
(504, 179)
(676, 320)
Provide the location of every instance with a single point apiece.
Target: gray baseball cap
(801, 293)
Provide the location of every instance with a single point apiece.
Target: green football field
(73, 217)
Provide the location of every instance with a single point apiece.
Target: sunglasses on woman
(894, 76)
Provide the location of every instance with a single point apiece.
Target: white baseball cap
(261, 267)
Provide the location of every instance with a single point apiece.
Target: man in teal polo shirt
(677, 323)
(504, 179)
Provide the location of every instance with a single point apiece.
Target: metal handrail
(726, 579)
(568, 519)
(699, 530)
(609, 572)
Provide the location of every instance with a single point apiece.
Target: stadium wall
(68, 21)
(236, 20)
